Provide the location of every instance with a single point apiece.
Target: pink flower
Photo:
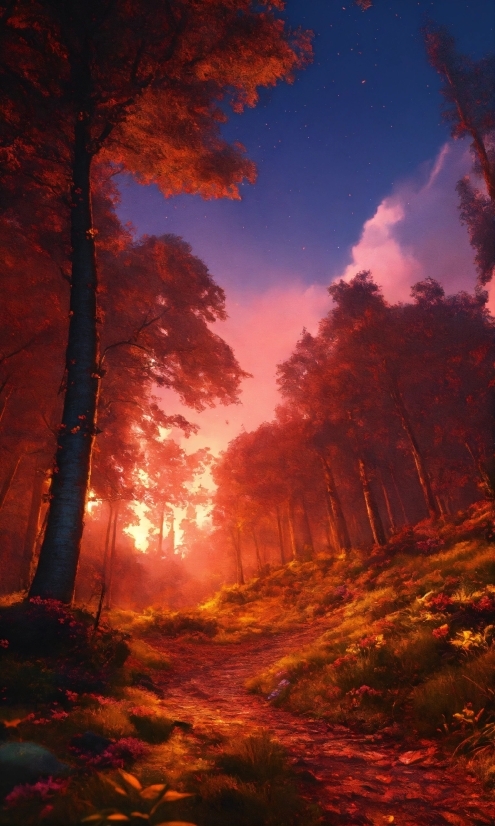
(4, 643)
(42, 790)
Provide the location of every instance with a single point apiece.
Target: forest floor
(356, 779)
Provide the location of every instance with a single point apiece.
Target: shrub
(152, 728)
(255, 759)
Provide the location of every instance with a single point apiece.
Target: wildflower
(278, 690)
(42, 790)
(440, 632)
(71, 695)
(439, 602)
(117, 754)
(4, 643)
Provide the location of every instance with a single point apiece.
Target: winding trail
(356, 779)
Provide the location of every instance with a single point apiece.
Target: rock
(90, 743)
(26, 763)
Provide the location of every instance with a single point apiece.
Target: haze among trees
(386, 416)
(337, 560)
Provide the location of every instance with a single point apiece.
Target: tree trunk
(424, 479)
(106, 549)
(57, 566)
(236, 539)
(397, 493)
(486, 482)
(374, 517)
(33, 525)
(3, 405)
(160, 534)
(307, 524)
(391, 520)
(280, 537)
(9, 478)
(336, 507)
(111, 560)
(257, 549)
(292, 531)
(330, 527)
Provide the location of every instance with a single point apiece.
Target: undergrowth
(87, 702)
(407, 635)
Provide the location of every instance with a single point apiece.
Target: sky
(356, 170)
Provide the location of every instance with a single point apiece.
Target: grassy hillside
(406, 644)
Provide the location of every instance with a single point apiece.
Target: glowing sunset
(247, 470)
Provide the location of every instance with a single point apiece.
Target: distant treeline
(387, 420)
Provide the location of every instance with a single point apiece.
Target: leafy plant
(140, 804)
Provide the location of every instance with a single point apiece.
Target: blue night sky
(356, 171)
(363, 117)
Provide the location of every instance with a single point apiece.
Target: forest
(298, 629)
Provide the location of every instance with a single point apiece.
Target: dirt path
(356, 779)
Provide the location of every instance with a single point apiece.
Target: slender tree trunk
(236, 539)
(9, 478)
(33, 525)
(330, 527)
(171, 538)
(57, 566)
(486, 482)
(111, 559)
(280, 536)
(160, 534)
(3, 405)
(374, 517)
(106, 549)
(257, 549)
(292, 531)
(307, 524)
(397, 493)
(423, 476)
(336, 507)
(393, 526)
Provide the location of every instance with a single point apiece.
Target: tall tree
(140, 84)
(469, 92)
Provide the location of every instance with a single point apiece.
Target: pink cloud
(416, 233)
